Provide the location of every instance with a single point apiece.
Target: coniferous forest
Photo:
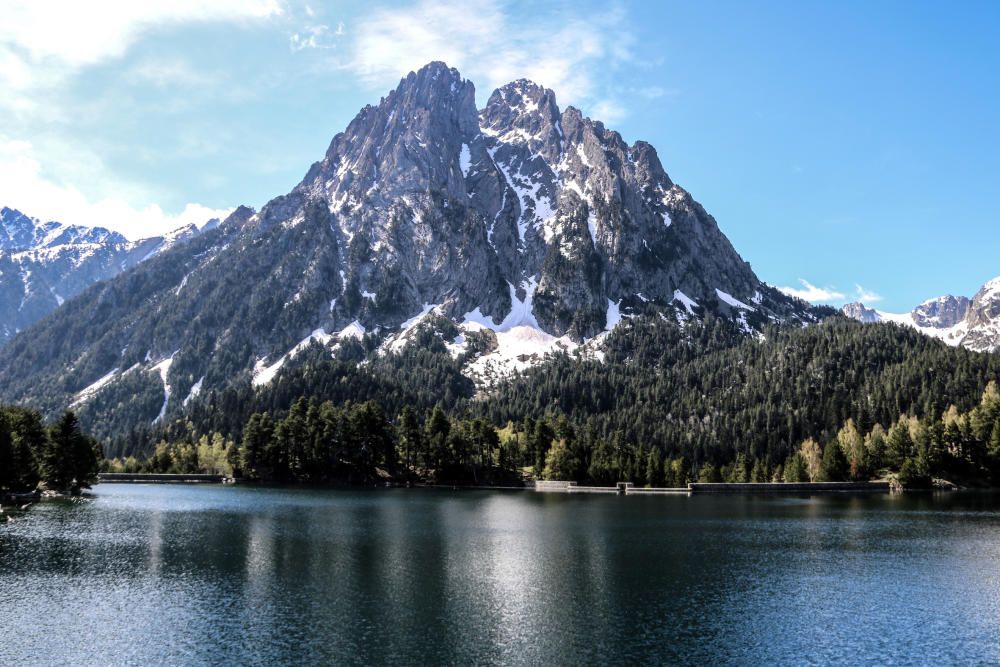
(58, 455)
(668, 404)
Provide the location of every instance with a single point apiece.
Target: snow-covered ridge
(958, 321)
(54, 262)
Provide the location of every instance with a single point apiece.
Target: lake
(164, 574)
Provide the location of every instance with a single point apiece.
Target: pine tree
(654, 471)
(410, 437)
(795, 469)
(834, 467)
(68, 460)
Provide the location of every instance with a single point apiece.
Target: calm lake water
(222, 575)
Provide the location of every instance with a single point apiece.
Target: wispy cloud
(558, 49)
(84, 33)
(171, 72)
(24, 184)
(608, 111)
(316, 37)
(866, 296)
(44, 45)
(810, 292)
(652, 92)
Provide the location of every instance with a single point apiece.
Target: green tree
(654, 469)
(256, 442)
(436, 440)
(899, 443)
(709, 474)
(835, 467)
(560, 462)
(795, 469)
(411, 439)
(680, 473)
(69, 460)
(603, 469)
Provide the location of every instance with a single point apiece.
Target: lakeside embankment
(559, 486)
(160, 478)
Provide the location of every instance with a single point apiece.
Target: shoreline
(542, 486)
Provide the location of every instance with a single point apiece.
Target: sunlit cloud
(481, 39)
(810, 292)
(24, 185)
(316, 37)
(866, 296)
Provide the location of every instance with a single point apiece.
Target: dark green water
(217, 575)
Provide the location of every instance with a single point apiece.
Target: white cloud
(84, 33)
(43, 45)
(170, 72)
(44, 42)
(479, 38)
(315, 37)
(607, 111)
(810, 292)
(866, 296)
(24, 185)
(652, 92)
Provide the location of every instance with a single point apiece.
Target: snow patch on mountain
(163, 368)
(194, 392)
(90, 390)
(686, 301)
(729, 299)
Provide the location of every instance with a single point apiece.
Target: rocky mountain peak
(858, 311)
(942, 312)
(523, 111)
(19, 232)
(530, 229)
(957, 320)
(409, 143)
(984, 317)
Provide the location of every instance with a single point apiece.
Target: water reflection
(181, 575)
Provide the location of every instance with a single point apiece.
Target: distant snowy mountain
(957, 320)
(518, 229)
(42, 264)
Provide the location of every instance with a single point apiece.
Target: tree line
(670, 404)
(319, 442)
(57, 456)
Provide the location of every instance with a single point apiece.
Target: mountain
(858, 311)
(44, 263)
(513, 231)
(957, 320)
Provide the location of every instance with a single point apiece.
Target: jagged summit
(957, 320)
(531, 228)
(20, 232)
(43, 264)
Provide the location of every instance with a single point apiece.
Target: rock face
(858, 311)
(517, 202)
(972, 323)
(983, 319)
(44, 263)
(942, 312)
(519, 218)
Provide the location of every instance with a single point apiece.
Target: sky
(850, 150)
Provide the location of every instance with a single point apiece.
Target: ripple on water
(219, 575)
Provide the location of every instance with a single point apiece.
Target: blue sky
(850, 145)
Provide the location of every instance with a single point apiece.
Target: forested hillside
(700, 400)
(59, 455)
